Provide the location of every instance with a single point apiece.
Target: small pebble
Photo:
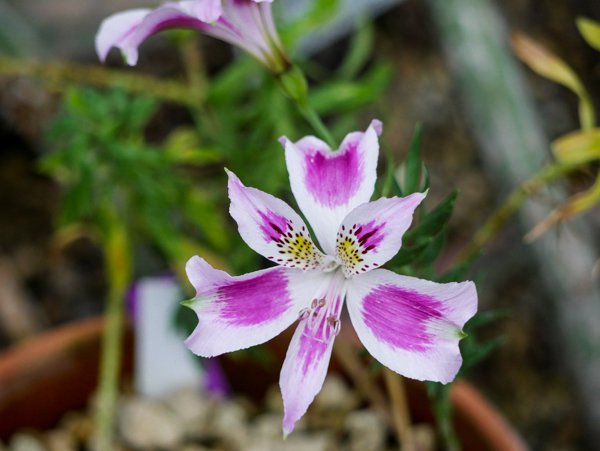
(149, 424)
(273, 400)
(26, 442)
(335, 395)
(192, 410)
(366, 430)
(79, 426)
(424, 437)
(60, 440)
(268, 425)
(314, 442)
(295, 442)
(230, 424)
(193, 448)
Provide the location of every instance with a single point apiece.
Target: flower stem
(501, 215)
(60, 75)
(400, 410)
(109, 371)
(118, 269)
(315, 121)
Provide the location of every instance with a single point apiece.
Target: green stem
(109, 371)
(501, 215)
(442, 407)
(118, 269)
(59, 75)
(315, 121)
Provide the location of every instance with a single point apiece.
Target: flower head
(247, 24)
(410, 325)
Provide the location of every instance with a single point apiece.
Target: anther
(335, 324)
(304, 314)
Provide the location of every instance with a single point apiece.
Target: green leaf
(318, 16)
(389, 184)
(578, 147)
(361, 49)
(432, 252)
(477, 352)
(434, 222)
(548, 65)
(413, 164)
(343, 96)
(407, 254)
(232, 82)
(590, 30)
(486, 317)
(183, 146)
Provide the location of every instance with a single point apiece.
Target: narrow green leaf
(342, 96)
(413, 164)
(590, 30)
(435, 221)
(550, 66)
(407, 254)
(390, 186)
(361, 49)
(432, 252)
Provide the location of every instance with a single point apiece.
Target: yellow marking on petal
(298, 251)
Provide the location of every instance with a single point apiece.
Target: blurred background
(487, 125)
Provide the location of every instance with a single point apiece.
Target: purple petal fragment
(308, 355)
(372, 233)
(271, 227)
(411, 325)
(239, 312)
(411, 313)
(333, 178)
(265, 297)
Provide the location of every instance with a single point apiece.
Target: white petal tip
(377, 125)
(233, 179)
(283, 140)
(130, 56)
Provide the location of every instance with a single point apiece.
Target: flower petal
(308, 355)
(127, 30)
(372, 233)
(116, 28)
(410, 325)
(327, 184)
(239, 312)
(270, 227)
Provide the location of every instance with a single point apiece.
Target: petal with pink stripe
(411, 325)
(127, 30)
(239, 312)
(308, 355)
(372, 233)
(328, 184)
(270, 227)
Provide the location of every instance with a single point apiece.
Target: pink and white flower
(247, 24)
(410, 325)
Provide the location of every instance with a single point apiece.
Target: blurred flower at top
(247, 24)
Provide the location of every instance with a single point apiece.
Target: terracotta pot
(50, 374)
(57, 371)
